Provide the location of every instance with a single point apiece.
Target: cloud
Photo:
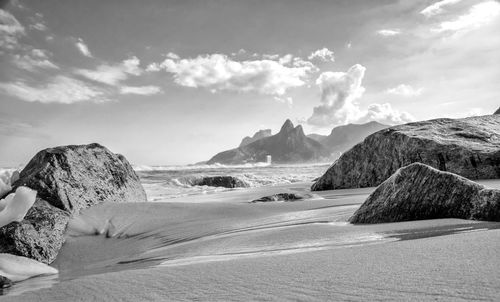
(61, 89)
(112, 74)
(36, 58)
(385, 114)
(140, 90)
(339, 90)
(388, 32)
(478, 15)
(405, 90)
(83, 48)
(217, 72)
(323, 54)
(10, 30)
(436, 8)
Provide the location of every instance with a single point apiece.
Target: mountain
(469, 147)
(343, 138)
(317, 137)
(258, 135)
(289, 145)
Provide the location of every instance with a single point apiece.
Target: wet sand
(221, 247)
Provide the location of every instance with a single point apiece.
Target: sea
(167, 182)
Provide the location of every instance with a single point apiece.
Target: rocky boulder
(220, 181)
(469, 147)
(67, 179)
(38, 236)
(282, 197)
(498, 111)
(418, 191)
(75, 177)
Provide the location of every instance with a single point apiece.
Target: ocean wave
(147, 168)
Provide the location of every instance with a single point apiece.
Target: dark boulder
(418, 191)
(38, 236)
(469, 147)
(67, 179)
(498, 111)
(282, 197)
(75, 177)
(220, 181)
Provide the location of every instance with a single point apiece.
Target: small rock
(5, 282)
(418, 192)
(281, 197)
(221, 181)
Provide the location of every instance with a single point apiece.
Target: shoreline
(158, 240)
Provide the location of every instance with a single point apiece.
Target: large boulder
(498, 111)
(67, 179)
(469, 147)
(38, 236)
(418, 191)
(75, 177)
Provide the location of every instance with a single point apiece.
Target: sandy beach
(221, 247)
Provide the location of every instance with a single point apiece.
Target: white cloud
(140, 90)
(217, 72)
(39, 26)
(37, 58)
(385, 114)
(405, 90)
(389, 32)
(323, 54)
(339, 90)
(112, 74)
(83, 48)
(436, 8)
(478, 15)
(10, 30)
(61, 89)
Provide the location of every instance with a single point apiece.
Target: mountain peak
(287, 126)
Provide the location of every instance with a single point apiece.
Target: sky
(174, 82)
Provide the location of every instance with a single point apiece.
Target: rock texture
(468, 147)
(67, 179)
(75, 177)
(282, 197)
(290, 145)
(220, 181)
(418, 191)
(38, 236)
(258, 135)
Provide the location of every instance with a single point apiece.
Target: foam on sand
(15, 206)
(18, 268)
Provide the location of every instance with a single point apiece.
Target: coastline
(220, 246)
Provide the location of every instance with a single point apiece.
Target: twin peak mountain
(291, 145)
